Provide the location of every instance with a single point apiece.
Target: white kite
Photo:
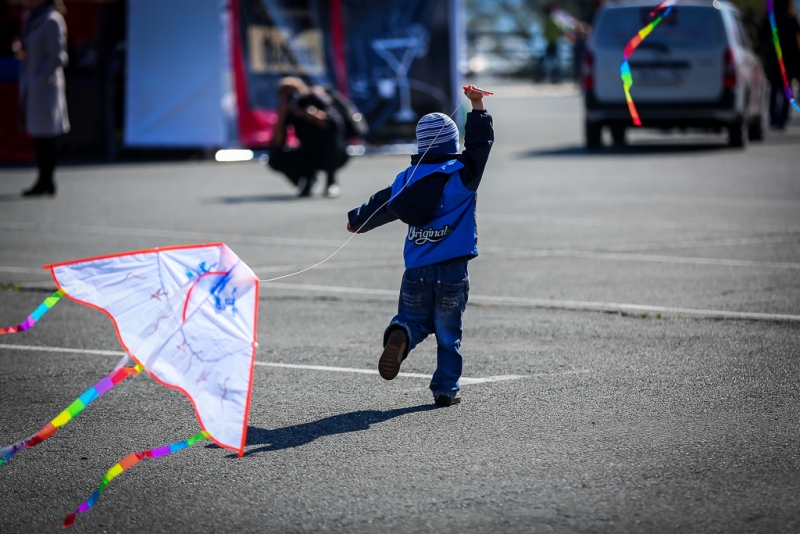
(187, 315)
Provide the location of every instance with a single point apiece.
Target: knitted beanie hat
(438, 134)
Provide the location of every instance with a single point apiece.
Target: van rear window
(686, 26)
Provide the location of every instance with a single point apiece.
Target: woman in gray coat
(43, 104)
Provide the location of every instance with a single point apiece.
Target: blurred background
(200, 75)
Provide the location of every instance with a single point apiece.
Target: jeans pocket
(452, 297)
(411, 293)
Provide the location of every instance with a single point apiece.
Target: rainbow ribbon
(114, 378)
(625, 68)
(43, 308)
(787, 89)
(125, 464)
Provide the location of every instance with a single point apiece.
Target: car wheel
(737, 133)
(594, 135)
(755, 131)
(618, 135)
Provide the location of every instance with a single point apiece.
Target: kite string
(43, 308)
(636, 40)
(112, 379)
(335, 252)
(125, 464)
(787, 88)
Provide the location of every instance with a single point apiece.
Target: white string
(335, 252)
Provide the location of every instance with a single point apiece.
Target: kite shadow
(629, 150)
(248, 199)
(298, 435)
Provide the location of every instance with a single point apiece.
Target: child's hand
(475, 95)
(350, 229)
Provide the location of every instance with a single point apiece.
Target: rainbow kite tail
(91, 394)
(787, 89)
(627, 83)
(125, 464)
(636, 40)
(43, 308)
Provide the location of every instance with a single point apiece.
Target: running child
(436, 198)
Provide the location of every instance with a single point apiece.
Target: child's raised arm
(478, 139)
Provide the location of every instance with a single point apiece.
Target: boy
(436, 197)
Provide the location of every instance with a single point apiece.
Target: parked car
(697, 69)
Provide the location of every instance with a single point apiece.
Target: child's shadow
(297, 435)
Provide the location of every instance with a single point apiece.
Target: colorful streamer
(43, 308)
(787, 89)
(114, 378)
(625, 68)
(125, 464)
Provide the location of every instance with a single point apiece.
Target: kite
(787, 89)
(625, 68)
(185, 314)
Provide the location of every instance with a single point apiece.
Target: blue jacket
(452, 231)
(417, 203)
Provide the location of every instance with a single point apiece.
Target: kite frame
(51, 267)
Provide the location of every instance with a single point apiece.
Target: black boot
(40, 189)
(46, 149)
(305, 184)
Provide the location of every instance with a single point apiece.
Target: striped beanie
(438, 134)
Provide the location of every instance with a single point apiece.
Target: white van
(697, 69)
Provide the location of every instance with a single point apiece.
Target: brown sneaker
(393, 353)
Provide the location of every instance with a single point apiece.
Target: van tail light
(587, 70)
(729, 70)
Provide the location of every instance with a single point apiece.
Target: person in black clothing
(436, 197)
(320, 129)
(42, 94)
(788, 35)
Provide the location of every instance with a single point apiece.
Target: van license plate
(657, 76)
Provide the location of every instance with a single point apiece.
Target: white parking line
(25, 270)
(653, 258)
(464, 380)
(503, 253)
(557, 304)
(199, 237)
(646, 223)
(43, 348)
(394, 262)
(680, 201)
(703, 243)
(550, 304)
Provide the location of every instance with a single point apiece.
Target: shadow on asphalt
(298, 435)
(630, 150)
(11, 198)
(253, 198)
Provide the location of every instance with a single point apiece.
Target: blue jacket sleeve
(478, 141)
(373, 212)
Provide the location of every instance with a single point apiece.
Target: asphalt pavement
(632, 346)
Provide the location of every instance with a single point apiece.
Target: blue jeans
(432, 301)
